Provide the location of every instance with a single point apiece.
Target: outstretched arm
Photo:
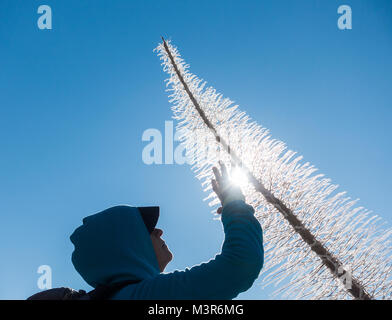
(231, 272)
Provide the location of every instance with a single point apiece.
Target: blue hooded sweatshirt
(114, 245)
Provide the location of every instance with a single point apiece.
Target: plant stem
(332, 263)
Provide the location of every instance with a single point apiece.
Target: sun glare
(239, 178)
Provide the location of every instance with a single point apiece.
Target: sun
(239, 178)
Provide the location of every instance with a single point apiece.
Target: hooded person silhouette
(122, 244)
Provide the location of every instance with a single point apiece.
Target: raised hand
(224, 189)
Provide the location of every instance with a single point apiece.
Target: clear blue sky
(75, 100)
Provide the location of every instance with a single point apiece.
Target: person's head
(162, 252)
(120, 243)
(150, 216)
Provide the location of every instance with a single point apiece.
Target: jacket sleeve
(231, 272)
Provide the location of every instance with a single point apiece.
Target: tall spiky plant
(318, 244)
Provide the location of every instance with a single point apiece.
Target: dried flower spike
(318, 244)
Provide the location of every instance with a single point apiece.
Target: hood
(112, 246)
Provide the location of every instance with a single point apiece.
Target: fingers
(214, 186)
(220, 183)
(217, 174)
(216, 189)
(221, 180)
(224, 170)
(221, 177)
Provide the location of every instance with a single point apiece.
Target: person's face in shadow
(162, 252)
